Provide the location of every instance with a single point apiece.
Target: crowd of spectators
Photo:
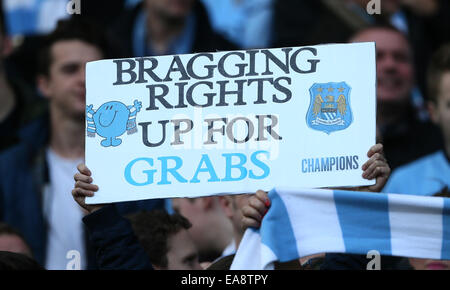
(44, 46)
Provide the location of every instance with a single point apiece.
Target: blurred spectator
(432, 172)
(232, 205)
(166, 240)
(310, 22)
(39, 17)
(12, 240)
(33, 16)
(429, 264)
(211, 230)
(18, 104)
(248, 23)
(28, 22)
(158, 27)
(10, 261)
(36, 181)
(102, 12)
(425, 23)
(404, 136)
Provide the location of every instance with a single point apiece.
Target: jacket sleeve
(116, 246)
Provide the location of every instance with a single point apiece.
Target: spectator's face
(171, 9)
(395, 74)
(428, 264)
(206, 222)
(193, 210)
(235, 203)
(440, 112)
(14, 244)
(65, 84)
(182, 254)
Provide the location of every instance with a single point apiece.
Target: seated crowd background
(43, 52)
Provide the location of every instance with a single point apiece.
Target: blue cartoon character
(111, 120)
(329, 108)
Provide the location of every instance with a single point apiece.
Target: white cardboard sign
(230, 122)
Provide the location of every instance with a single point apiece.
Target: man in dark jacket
(36, 177)
(160, 27)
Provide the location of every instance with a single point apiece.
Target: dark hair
(6, 229)
(384, 26)
(439, 64)
(153, 230)
(16, 261)
(75, 28)
(381, 26)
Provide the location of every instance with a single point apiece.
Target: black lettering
(260, 98)
(239, 93)
(178, 132)
(211, 129)
(270, 56)
(177, 66)
(148, 71)
(251, 68)
(209, 96)
(282, 89)
(160, 97)
(181, 103)
(121, 71)
(241, 66)
(210, 68)
(313, 62)
(145, 134)
(268, 128)
(250, 130)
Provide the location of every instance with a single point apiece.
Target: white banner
(230, 122)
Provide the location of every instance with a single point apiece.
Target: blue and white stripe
(90, 129)
(329, 116)
(302, 222)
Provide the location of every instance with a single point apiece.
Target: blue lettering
(342, 163)
(165, 170)
(332, 162)
(150, 173)
(310, 165)
(355, 159)
(325, 164)
(260, 164)
(317, 165)
(230, 166)
(304, 166)
(209, 168)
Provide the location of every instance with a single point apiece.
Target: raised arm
(112, 236)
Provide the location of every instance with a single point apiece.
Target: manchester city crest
(329, 109)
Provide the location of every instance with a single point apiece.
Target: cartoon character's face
(111, 119)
